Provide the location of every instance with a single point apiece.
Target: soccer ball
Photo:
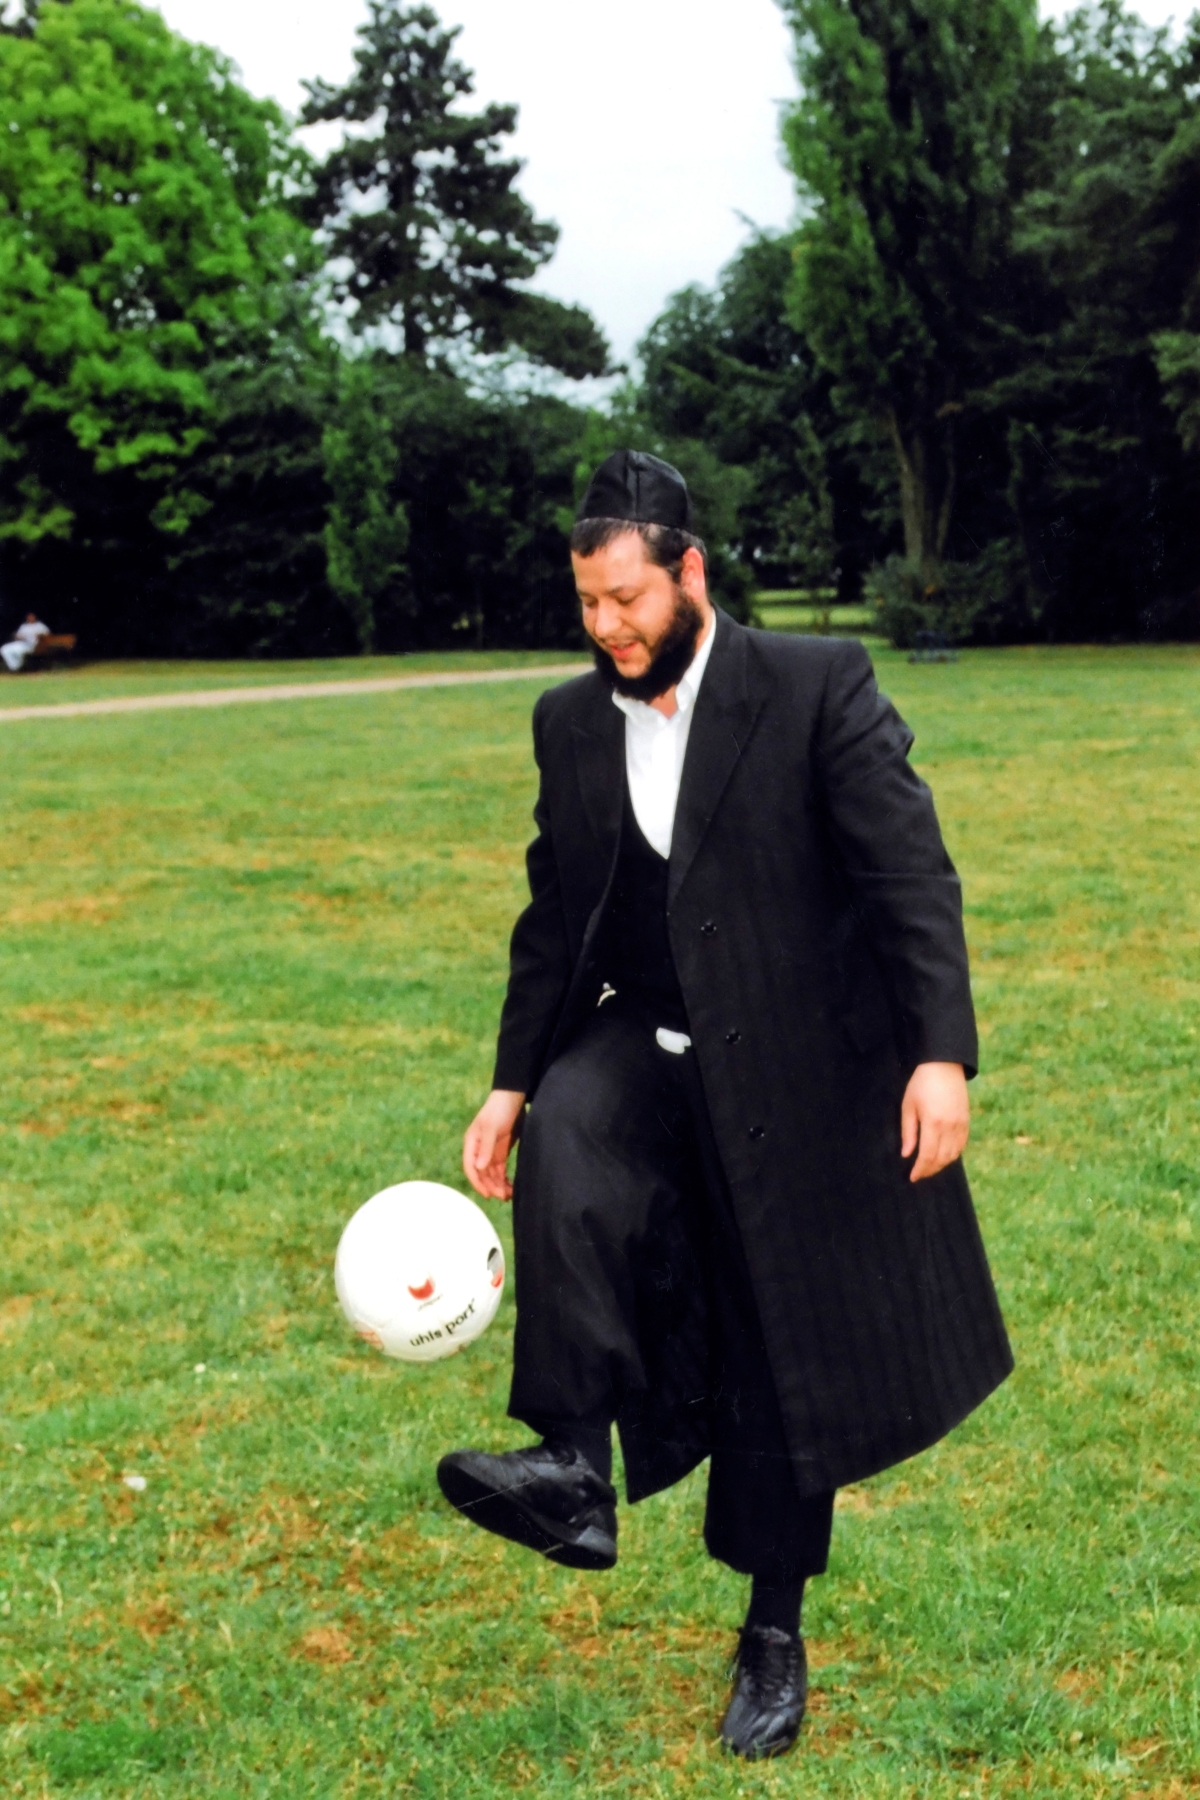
(419, 1271)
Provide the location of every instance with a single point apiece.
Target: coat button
(755, 1133)
(733, 1037)
(709, 928)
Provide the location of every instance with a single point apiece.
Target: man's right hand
(490, 1136)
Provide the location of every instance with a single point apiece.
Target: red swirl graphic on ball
(424, 1291)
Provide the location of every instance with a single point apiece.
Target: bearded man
(736, 1046)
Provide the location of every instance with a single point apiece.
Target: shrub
(987, 601)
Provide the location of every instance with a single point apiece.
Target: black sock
(591, 1436)
(776, 1603)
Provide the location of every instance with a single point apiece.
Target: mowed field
(252, 961)
(61, 683)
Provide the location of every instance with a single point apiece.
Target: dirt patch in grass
(66, 909)
(1079, 1684)
(14, 1313)
(326, 1644)
(151, 1618)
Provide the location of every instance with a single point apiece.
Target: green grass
(803, 610)
(252, 962)
(785, 596)
(59, 682)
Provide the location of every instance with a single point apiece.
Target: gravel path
(293, 690)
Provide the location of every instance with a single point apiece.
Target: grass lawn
(60, 682)
(252, 964)
(783, 610)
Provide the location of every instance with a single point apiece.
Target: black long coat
(816, 924)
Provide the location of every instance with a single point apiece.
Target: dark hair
(664, 544)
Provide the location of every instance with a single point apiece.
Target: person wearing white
(717, 1248)
(23, 643)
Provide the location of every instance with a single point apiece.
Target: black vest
(635, 951)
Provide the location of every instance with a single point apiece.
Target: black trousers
(631, 1278)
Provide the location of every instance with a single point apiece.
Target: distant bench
(54, 644)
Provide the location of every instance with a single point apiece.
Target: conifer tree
(422, 208)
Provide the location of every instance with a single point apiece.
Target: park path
(293, 690)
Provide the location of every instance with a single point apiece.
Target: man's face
(630, 603)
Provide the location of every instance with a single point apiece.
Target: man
(23, 643)
(739, 1016)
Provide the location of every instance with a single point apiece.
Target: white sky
(648, 127)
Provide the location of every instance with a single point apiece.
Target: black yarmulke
(630, 484)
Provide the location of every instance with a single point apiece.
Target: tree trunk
(362, 610)
(926, 461)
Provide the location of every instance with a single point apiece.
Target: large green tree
(903, 143)
(144, 227)
(729, 368)
(249, 575)
(486, 480)
(367, 532)
(1102, 369)
(424, 223)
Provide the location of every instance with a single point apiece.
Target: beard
(669, 662)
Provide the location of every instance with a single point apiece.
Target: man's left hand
(935, 1117)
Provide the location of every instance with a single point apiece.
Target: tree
(144, 221)
(729, 368)
(1096, 403)
(248, 576)
(423, 212)
(486, 480)
(902, 143)
(367, 531)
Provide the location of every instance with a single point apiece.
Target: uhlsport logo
(448, 1330)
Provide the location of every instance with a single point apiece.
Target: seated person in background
(24, 641)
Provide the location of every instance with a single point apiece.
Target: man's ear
(691, 575)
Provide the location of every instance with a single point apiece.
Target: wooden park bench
(54, 644)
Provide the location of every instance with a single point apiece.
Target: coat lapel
(725, 715)
(600, 765)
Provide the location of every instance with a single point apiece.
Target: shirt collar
(686, 689)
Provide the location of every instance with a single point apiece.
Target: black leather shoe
(548, 1498)
(769, 1690)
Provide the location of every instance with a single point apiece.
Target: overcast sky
(648, 127)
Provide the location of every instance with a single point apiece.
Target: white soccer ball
(419, 1271)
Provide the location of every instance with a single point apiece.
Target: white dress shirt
(654, 751)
